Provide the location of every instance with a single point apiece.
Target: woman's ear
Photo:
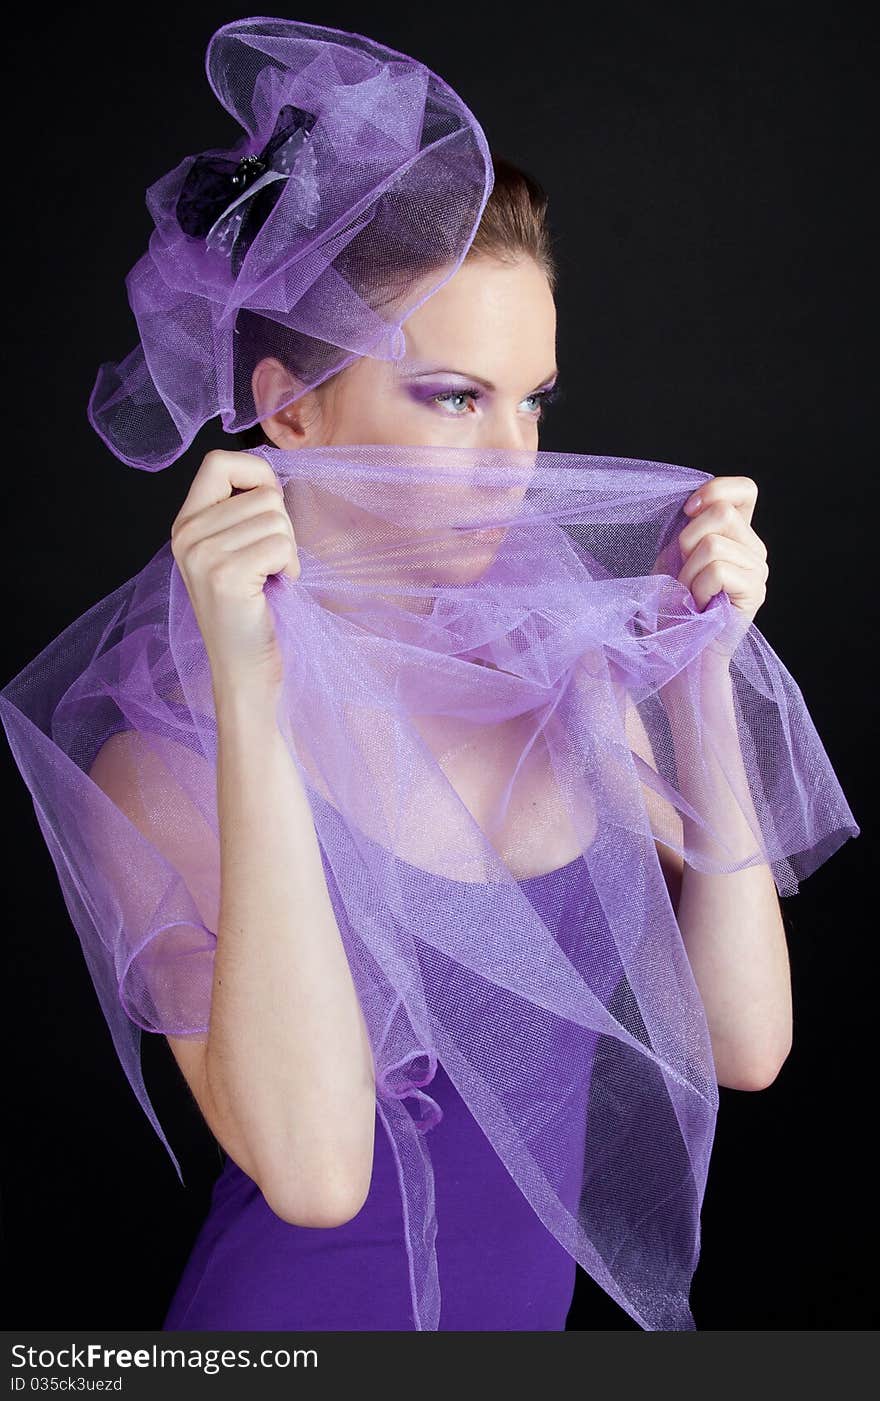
(289, 427)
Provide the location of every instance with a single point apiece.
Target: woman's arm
(731, 923)
(284, 1077)
(288, 1056)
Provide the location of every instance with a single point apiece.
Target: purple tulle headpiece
(523, 606)
(354, 193)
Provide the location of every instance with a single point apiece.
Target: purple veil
(527, 596)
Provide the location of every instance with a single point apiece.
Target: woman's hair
(513, 225)
(514, 221)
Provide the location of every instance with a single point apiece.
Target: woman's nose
(508, 434)
(488, 504)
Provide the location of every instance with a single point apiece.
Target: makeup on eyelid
(409, 368)
(415, 369)
(424, 393)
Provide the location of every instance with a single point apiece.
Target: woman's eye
(539, 399)
(451, 394)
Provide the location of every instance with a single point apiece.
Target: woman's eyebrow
(445, 370)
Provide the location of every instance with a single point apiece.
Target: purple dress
(499, 1266)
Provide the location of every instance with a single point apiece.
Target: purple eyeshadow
(427, 391)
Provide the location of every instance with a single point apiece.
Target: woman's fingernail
(694, 505)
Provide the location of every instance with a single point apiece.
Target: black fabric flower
(210, 204)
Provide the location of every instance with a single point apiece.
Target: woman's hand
(226, 546)
(719, 547)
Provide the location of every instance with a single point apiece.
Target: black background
(709, 171)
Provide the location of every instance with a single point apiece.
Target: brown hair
(514, 221)
(513, 225)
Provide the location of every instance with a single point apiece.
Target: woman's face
(479, 353)
(480, 357)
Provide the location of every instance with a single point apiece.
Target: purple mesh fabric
(537, 629)
(361, 218)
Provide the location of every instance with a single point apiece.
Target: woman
(257, 1265)
(409, 784)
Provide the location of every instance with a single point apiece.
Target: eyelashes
(547, 396)
(544, 397)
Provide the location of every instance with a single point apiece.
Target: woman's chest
(443, 793)
(501, 780)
